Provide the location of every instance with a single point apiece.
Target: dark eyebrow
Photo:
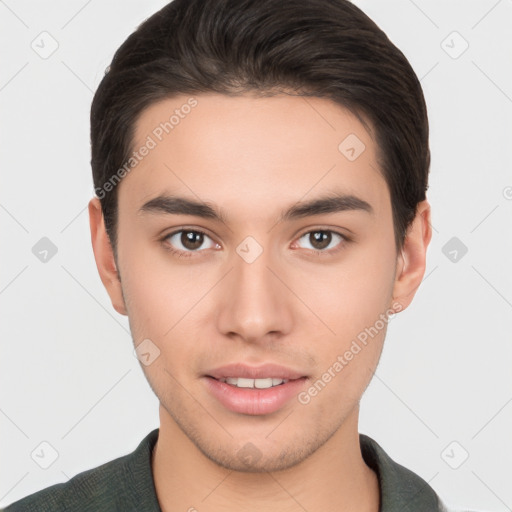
(175, 205)
(329, 204)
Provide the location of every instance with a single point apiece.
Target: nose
(255, 304)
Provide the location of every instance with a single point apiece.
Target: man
(261, 169)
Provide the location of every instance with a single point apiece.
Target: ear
(104, 256)
(411, 261)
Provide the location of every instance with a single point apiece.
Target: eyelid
(344, 240)
(179, 229)
(164, 240)
(314, 229)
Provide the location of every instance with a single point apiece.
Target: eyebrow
(332, 203)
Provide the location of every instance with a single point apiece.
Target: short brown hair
(322, 48)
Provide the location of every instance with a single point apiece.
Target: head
(251, 109)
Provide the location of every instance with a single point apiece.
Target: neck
(335, 478)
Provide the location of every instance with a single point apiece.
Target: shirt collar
(400, 488)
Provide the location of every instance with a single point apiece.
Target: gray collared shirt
(126, 484)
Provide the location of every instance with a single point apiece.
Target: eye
(187, 241)
(323, 240)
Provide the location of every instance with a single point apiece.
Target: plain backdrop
(441, 400)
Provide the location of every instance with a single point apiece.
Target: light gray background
(68, 372)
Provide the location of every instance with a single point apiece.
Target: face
(250, 287)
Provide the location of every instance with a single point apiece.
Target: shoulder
(120, 484)
(401, 488)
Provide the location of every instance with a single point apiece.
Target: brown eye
(322, 239)
(189, 240)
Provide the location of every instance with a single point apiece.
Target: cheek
(349, 296)
(165, 302)
(158, 291)
(353, 300)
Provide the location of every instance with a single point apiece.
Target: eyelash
(317, 252)
(177, 252)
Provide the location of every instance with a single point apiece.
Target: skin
(253, 158)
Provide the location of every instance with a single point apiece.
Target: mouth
(254, 391)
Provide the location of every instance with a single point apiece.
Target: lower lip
(254, 401)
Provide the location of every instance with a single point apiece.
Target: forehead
(249, 150)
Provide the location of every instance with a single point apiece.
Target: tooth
(245, 383)
(242, 382)
(263, 383)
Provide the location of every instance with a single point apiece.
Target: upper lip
(263, 371)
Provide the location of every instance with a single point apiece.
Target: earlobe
(104, 256)
(411, 262)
